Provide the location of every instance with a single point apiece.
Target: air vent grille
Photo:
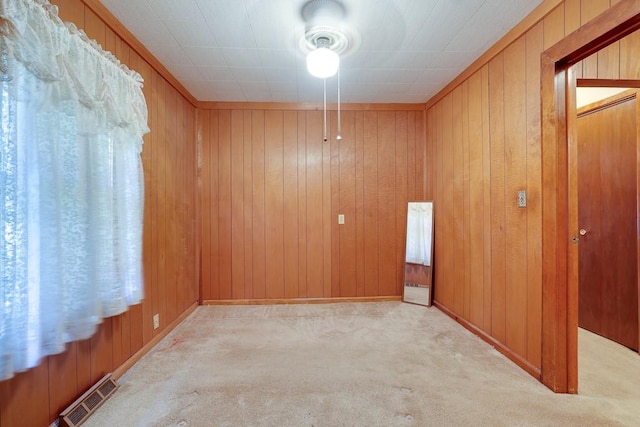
(83, 407)
(78, 415)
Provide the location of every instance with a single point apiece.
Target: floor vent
(80, 410)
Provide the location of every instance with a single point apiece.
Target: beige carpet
(364, 364)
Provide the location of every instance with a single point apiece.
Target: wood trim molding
(607, 83)
(112, 22)
(300, 300)
(119, 371)
(506, 351)
(538, 14)
(306, 106)
(559, 272)
(608, 102)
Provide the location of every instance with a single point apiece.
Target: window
(71, 185)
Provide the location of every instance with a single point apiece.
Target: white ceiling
(248, 50)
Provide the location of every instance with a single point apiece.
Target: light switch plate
(341, 219)
(522, 198)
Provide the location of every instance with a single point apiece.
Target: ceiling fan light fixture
(322, 62)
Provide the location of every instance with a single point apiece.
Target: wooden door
(607, 215)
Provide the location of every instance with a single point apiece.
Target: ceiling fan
(326, 37)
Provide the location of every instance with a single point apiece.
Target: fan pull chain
(339, 135)
(324, 118)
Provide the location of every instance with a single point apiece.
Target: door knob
(583, 231)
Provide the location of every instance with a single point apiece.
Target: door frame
(559, 369)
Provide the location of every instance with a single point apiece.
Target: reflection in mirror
(418, 253)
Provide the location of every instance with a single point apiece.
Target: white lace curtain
(419, 232)
(71, 184)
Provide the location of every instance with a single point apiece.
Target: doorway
(559, 198)
(608, 216)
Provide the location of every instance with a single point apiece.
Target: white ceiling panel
(213, 74)
(191, 33)
(186, 72)
(250, 50)
(242, 74)
(242, 57)
(170, 55)
(205, 56)
(229, 22)
(278, 58)
(154, 33)
(280, 74)
(171, 10)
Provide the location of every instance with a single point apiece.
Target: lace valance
(73, 67)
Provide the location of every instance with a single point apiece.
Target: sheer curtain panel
(419, 229)
(71, 184)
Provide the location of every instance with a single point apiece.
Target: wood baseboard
(300, 300)
(119, 371)
(506, 351)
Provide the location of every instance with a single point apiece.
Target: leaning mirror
(418, 266)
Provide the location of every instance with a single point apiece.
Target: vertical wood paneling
(162, 163)
(386, 203)
(237, 205)
(168, 309)
(62, 370)
(302, 205)
(629, 64)
(206, 202)
(348, 206)
(371, 249)
(411, 154)
(515, 180)
(214, 211)
(334, 227)
(274, 204)
(328, 220)
(22, 391)
(589, 9)
(247, 169)
(476, 201)
(498, 202)
(291, 218)
(259, 237)
(315, 211)
(360, 211)
(421, 158)
(534, 47)
(466, 201)
(554, 24)
(401, 195)
(486, 190)
(224, 201)
(437, 123)
(457, 171)
(446, 202)
(572, 21)
(298, 184)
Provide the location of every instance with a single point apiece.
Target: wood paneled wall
(271, 192)
(484, 135)
(36, 397)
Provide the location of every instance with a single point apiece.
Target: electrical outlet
(156, 321)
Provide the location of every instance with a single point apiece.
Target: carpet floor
(357, 364)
